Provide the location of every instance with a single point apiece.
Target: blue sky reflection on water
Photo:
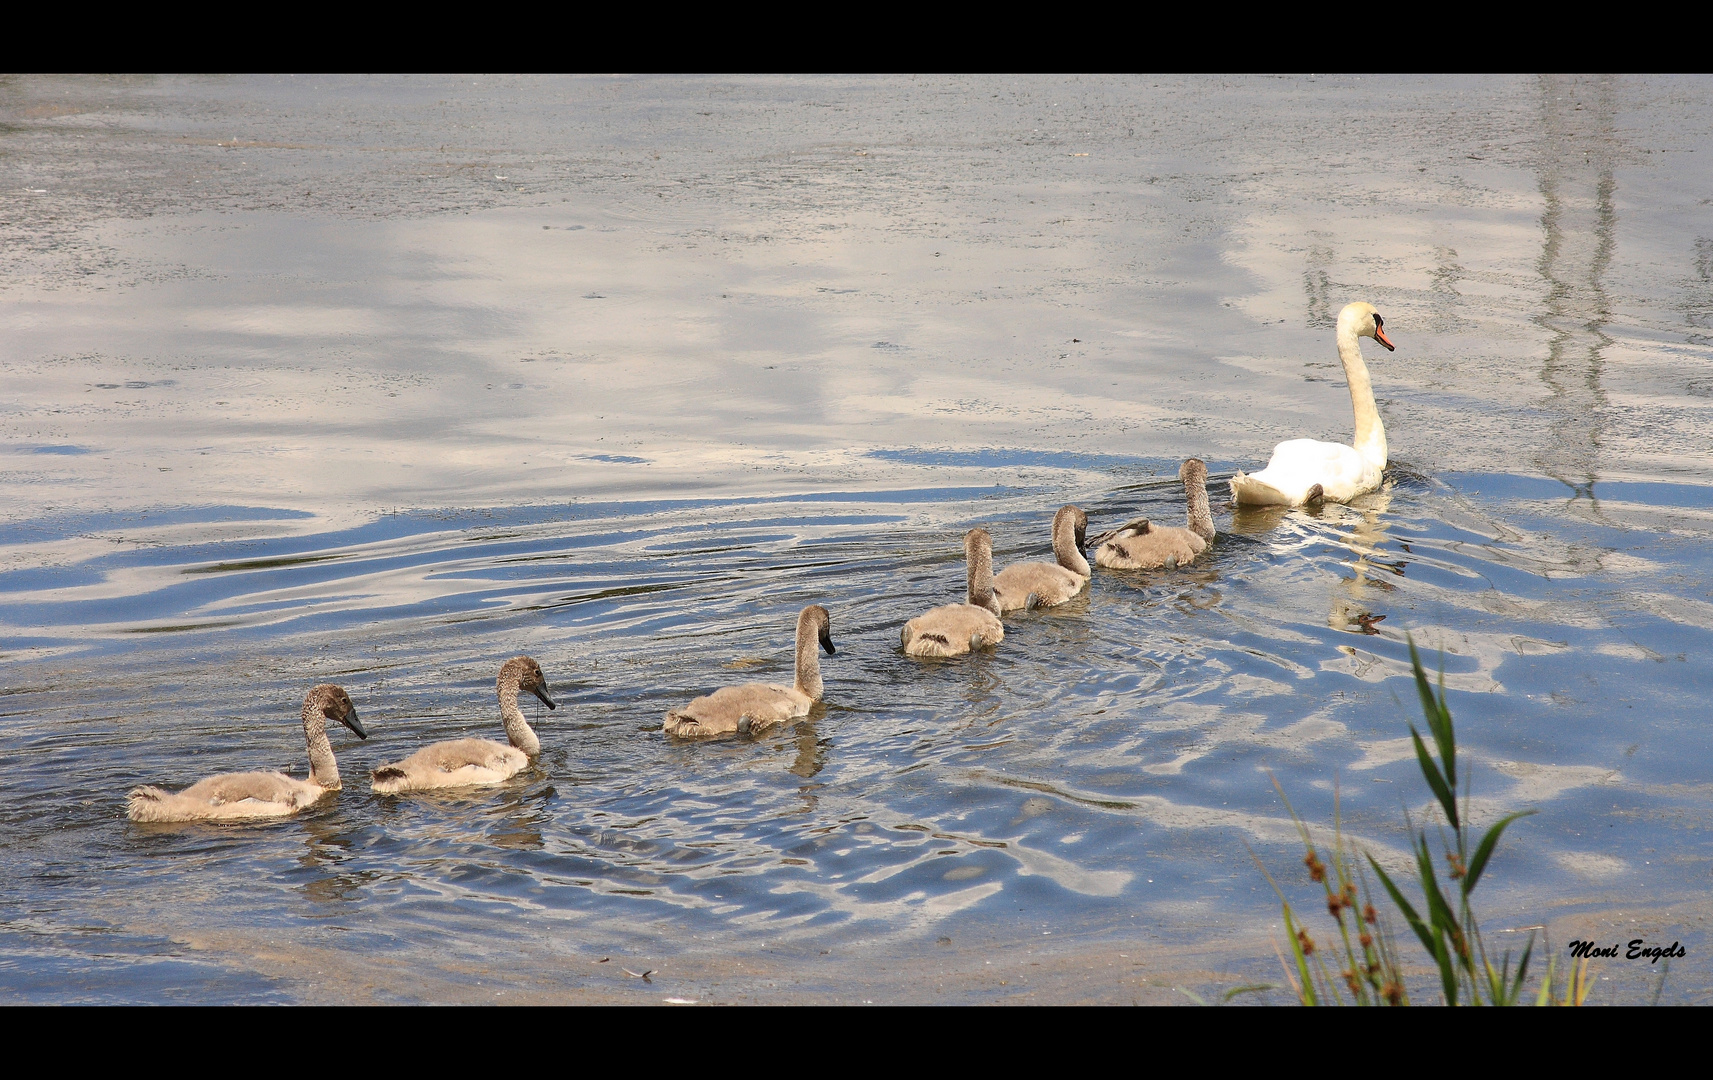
(384, 381)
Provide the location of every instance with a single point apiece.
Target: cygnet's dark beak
(541, 692)
(350, 720)
(827, 640)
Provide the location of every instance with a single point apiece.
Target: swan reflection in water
(811, 748)
(521, 815)
(1364, 517)
(1366, 538)
(327, 846)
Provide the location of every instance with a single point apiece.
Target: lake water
(383, 381)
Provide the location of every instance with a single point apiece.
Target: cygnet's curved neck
(1200, 514)
(518, 731)
(322, 768)
(978, 550)
(1066, 548)
(808, 662)
(1370, 434)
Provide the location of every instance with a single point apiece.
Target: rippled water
(383, 382)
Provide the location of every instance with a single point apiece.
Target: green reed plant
(1365, 958)
(1365, 969)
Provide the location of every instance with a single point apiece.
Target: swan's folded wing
(1309, 462)
(1136, 527)
(455, 754)
(952, 630)
(1346, 474)
(1049, 583)
(1168, 546)
(227, 788)
(724, 710)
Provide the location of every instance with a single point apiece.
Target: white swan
(249, 795)
(1144, 546)
(955, 629)
(1303, 470)
(458, 763)
(753, 707)
(1048, 584)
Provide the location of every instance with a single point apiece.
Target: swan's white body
(463, 763)
(1340, 473)
(1299, 466)
(249, 796)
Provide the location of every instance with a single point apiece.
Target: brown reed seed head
(1366, 939)
(1335, 904)
(1369, 915)
(1374, 968)
(1306, 942)
(1317, 869)
(1457, 869)
(1350, 894)
(1392, 992)
(1350, 980)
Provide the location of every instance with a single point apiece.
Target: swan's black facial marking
(1380, 333)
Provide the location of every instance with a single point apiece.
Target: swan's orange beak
(1380, 336)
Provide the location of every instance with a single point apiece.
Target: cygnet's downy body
(461, 763)
(956, 629)
(247, 796)
(753, 707)
(1142, 545)
(1048, 584)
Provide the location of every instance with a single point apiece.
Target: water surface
(384, 381)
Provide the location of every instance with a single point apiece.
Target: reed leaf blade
(1484, 850)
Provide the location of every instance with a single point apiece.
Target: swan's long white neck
(518, 731)
(322, 768)
(1370, 433)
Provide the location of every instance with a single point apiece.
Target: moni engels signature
(1637, 949)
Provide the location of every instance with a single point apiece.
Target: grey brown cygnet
(249, 795)
(956, 629)
(1141, 545)
(754, 707)
(1048, 584)
(459, 763)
